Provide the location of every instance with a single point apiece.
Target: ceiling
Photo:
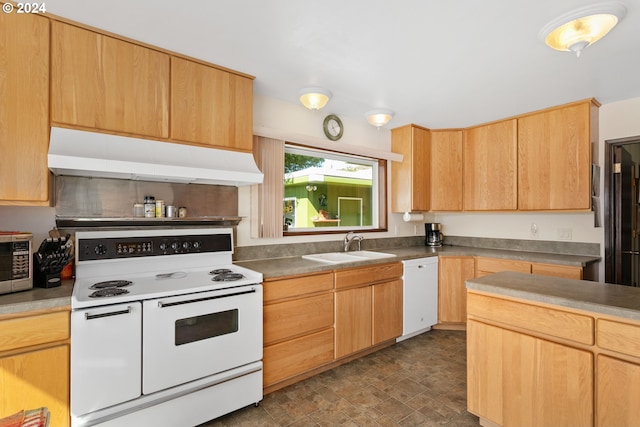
(436, 63)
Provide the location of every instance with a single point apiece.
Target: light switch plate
(565, 233)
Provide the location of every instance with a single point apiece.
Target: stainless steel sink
(340, 257)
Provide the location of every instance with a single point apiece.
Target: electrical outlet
(565, 233)
(534, 230)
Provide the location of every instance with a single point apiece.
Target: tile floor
(417, 382)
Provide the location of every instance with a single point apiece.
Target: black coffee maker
(433, 236)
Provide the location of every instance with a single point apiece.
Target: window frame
(379, 190)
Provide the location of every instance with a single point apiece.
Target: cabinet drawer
(296, 286)
(618, 336)
(289, 358)
(367, 275)
(557, 323)
(566, 271)
(34, 330)
(297, 317)
(486, 266)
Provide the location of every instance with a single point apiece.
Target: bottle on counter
(149, 207)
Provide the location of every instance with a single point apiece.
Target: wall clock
(332, 127)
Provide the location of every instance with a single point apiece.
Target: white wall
(617, 120)
(295, 123)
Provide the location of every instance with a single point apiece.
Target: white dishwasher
(420, 298)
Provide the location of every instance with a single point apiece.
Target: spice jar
(182, 212)
(138, 210)
(159, 208)
(149, 207)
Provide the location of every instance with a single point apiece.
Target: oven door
(193, 336)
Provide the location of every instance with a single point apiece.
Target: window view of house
(326, 191)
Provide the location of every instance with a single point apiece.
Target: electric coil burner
(145, 302)
(111, 284)
(108, 292)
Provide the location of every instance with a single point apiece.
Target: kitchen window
(327, 192)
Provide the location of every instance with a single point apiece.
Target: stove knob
(175, 246)
(197, 245)
(186, 245)
(100, 250)
(163, 246)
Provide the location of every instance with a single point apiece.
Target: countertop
(39, 298)
(603, 298)
(289, 266)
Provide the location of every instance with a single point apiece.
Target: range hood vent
(91, 154)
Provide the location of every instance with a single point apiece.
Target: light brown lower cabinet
(537, 364)
(298, 326)
(34, 365)
(515, 379)
(618, 372)
(369, 311)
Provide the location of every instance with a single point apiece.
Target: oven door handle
(190, 301)
(88, 316)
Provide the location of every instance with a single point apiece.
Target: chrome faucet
(350, 238)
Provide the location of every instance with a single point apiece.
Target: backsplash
(545, 246)
(114, 198)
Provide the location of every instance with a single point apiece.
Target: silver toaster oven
(16, 261)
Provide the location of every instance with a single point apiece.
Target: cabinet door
(452, 293)
(24, 109)
(104, 83)
(515, 379)
(554, 155)
(353, 320)
(211, 106)
(387, 311)
(35, 379)
(618, 388)
(490, 163)
(410, 178)
(446, 170)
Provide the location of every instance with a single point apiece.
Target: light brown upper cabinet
(211, 106)
(101, 82)
(490, 166)
(410, 179)
(24, 109)
(554, 154)
(446, 170)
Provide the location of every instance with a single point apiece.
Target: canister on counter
(182, 212)
(172, 212)
(160, 208)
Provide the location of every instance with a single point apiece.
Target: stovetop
(158, 263)
(164, 283)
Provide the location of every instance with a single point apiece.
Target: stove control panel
(119, 248)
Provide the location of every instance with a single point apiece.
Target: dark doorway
(622, 240)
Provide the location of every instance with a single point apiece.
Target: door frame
(608, 214)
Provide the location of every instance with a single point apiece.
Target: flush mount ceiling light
(379, 117)
(582, 27)
(314, 98)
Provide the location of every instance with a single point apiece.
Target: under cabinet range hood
(91, 154)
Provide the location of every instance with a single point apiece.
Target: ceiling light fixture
(314, 98)
(582, 27)
(379, 117)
